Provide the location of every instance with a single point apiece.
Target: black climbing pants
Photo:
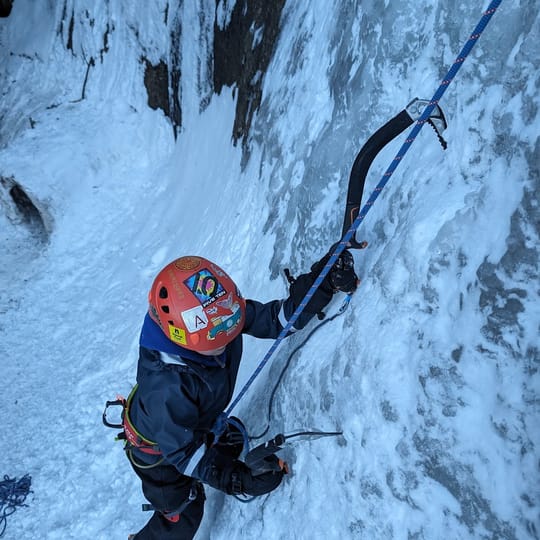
(167, 490)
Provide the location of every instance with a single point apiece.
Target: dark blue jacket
(181, 393)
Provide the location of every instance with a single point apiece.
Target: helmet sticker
(205, 286)
(228, 323)
(217, 270)
(187, 263)
(178, 335)
(195, 319)
(228, 304)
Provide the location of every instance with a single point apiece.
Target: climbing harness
(346, 240)
(13, 495)
(129, 434)
(134, 439)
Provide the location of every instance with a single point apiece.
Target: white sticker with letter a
(195, 319)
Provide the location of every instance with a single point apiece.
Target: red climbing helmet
(196, 304)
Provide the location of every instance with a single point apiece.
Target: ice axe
(262, 458)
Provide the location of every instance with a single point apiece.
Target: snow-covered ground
(431, 374)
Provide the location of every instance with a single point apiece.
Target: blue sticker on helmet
(205, 286)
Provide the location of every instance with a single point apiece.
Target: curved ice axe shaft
(373, 146)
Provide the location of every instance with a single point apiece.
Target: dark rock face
(162, 79)
(162, 94)
(5, 7)
(242, 52)
(242, 49)
(20, 208)
(156, 81)
(502, 301)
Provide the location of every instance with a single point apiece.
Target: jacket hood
(153, 338)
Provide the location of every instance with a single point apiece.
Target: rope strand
(282, 374)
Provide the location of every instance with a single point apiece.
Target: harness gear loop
(135, 463)
(132, 437)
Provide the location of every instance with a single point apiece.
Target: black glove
(231, 441)
(235, 477)
(243, 480)
(342, 276)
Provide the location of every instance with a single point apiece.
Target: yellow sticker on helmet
(177, 335)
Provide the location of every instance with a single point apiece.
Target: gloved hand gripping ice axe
(263, 459)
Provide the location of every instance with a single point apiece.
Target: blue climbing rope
(342, 245)
(13, 493)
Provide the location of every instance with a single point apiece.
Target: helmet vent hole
(163, 293)
(165, 309)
